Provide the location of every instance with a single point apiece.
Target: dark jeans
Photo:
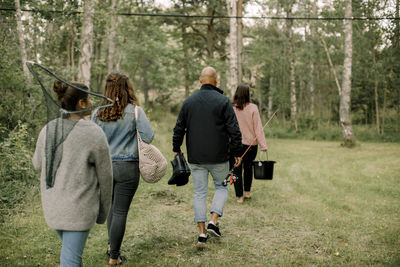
(126, 181)
(246, 167)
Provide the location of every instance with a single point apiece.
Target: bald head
(209, 76)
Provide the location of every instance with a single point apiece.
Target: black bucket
(263, 170)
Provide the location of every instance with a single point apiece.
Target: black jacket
(209, 122)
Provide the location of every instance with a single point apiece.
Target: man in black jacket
(209, 122)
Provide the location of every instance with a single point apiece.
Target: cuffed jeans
(73, 244)
(126, 181)
(200, 181)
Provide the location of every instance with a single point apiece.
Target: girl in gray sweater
(73, 157)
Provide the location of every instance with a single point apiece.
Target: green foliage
(16, 170)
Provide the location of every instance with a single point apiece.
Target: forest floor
(326, 206)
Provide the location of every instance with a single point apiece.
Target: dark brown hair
(119, 89)
(68, 95)
(242, 96)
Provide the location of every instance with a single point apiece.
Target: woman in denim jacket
(119, 124)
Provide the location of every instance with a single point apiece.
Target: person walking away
(73, 157)
(252, 135)
(119, 125)
(209, 123)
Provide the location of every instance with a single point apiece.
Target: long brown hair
(119, 89)
(242, 96)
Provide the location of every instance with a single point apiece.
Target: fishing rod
(231, 178)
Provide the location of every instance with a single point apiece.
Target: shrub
(16, 170)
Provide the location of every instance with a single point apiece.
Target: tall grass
(326, 206)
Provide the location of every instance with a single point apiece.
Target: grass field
(326, 206)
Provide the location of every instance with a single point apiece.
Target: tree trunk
(376, 83)
(111, 37)
(210, 30)
(186, 74)
(86, 49)
(293, 101)
(312, 46)
(21, 40)
(383, 113)
(345, 98)
(311, 88)
(240, 41)
(397, 49)
(146, 86)
(233, 50)
(332, 67)
(72, 51)
(270, 95)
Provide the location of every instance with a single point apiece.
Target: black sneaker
(213, 230)
(201, 242)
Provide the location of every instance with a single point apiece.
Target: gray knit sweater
(82, 190)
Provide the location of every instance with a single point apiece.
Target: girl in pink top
(252, 135)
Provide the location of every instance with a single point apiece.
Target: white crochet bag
(152, 163)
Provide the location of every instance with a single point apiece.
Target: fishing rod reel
(230, 178)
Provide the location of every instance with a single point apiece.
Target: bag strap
(136, 118)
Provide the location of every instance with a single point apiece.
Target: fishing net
(58, 125)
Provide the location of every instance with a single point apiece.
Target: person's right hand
(238, 161)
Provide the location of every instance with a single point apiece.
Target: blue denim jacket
(121, 134)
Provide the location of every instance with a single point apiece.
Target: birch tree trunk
(293, 101)
(240, 41)
(21, 40)
(396, 50)
(345, 98)
(233, 50)
(376, 83)
(332, 67)
(312, 46)
(383, 112)
(311, 88)
(86, 48)
(186, 74)
(270, 95)
(111, 37)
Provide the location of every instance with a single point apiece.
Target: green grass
(326, 206)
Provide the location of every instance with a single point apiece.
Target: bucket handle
(262, 156)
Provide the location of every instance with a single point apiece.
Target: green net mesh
(58, 125)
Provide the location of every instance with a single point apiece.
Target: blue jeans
(200, 181)
(73, 244)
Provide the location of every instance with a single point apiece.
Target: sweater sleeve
(143, 126)
(37, 156)
(258, 129)
(102, 162)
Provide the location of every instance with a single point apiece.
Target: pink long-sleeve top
(250, 126)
